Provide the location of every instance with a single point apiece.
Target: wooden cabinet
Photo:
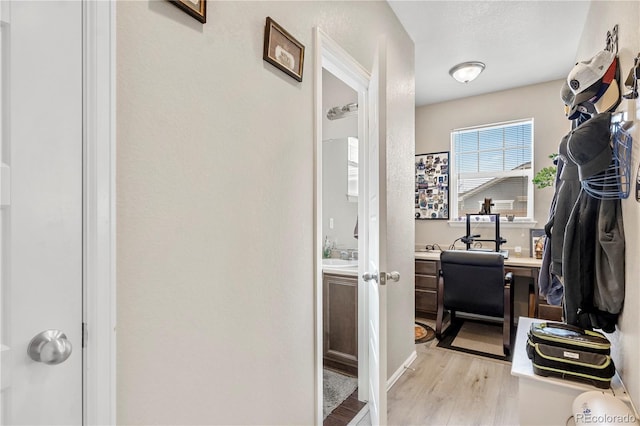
(549, 312)
(340, 323)
(426, 287)
(524, 276)
(541, 309)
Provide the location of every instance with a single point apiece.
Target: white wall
(601, 18)
(541, 102)
(215, 178)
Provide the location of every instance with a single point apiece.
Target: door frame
(98, 204)
(99, 215)
(331, 56)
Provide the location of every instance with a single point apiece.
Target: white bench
(547, 400)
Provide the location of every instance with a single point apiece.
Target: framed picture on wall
(536, 239)
(282, 50)
(432, 186)
(195, 8)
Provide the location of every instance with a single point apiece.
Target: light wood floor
(451, 388)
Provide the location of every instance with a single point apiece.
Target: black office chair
(474, 282)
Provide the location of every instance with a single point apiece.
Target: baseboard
(341, 367)
(400, 371)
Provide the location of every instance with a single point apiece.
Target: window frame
(453, 188)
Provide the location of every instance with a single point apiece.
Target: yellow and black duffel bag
(568, 352)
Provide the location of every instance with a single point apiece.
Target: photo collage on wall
(432, 186)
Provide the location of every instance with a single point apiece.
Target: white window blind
(493, 161)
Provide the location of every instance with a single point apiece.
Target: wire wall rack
(615, 182)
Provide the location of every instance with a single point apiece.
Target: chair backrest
(473, 282)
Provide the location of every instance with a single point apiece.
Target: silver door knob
(368, 276)
(50, 347)
(393, 276)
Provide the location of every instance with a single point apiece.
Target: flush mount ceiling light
(467, 71)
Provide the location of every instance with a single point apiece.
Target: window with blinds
(493, 161)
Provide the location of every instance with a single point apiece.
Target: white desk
(547, 400)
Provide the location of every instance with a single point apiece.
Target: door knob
(370, 277)
(389, 276)
(393, 276)
(384, 277)
(50, 347)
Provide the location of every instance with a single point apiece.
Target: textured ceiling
(521, 43)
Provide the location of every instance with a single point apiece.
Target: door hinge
(85, 334)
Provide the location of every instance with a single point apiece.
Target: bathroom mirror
(340, 189)
(352, 169)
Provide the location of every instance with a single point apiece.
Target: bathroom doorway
(361, 295)
(339, 222)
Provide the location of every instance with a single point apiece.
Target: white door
(375, 244)
(41, 259)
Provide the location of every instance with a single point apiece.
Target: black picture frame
(534, 235)
(432, 186)
(282, 50)
(195, 8)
